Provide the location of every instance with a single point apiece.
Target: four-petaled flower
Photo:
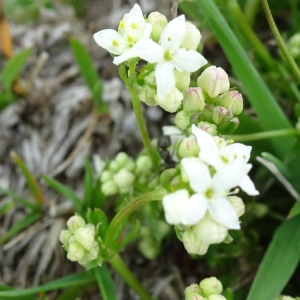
(132, 28)
(169, 55)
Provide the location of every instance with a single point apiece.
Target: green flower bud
(150, 79)
(114, 166)
(158, 22)
(238, 204)
(143, 164)
(75, 252)
(106, 176)
(147, 95)
(192, 37)
(210, 286)
(232, 100)
(192, 243)
(124, 180)
(206, 114)
(214, 81)
(65, 236)
(182, 80)
(167, 177)
(75, 222)
(210, 231)
(121, 159)
(194, 296)
(193, 100)
(171, 102)
(182, 120)
(221, 115)
(191, 289)
(208, 127)
(85, 236)
(229, 126)
(294, 45)
(130, 166)
(109, 188)
(93, 252)
(216, 297)
(188, 147)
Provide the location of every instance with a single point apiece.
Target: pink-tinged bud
(214, 81)
(188, 147)
(208, 127)
(221, 115)
(232, 100)
(192, 37)
(193, 100)
(210, 286)
(158, 22)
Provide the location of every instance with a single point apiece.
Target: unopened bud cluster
(80, 242)
(208, 289)
(121, 173)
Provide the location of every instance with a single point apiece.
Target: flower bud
(232, 100)
(229, 126)
(208, 127)
(216, 297)
(171, 102)
(238, 204)
(210, 286)
(194, 296)
(192, 243)
(143, 163)
(221, 115)
(124, 180)
(188, 147)
(130, 166)
(192, 37)
(167, 177)
(75, 222)
(65, 236)
(85, 236)
(158, 22)
(214, 81)
(93, 252)
(109, 188)
(182, 120)
(210, 231)
(182, 80)
(75, 252)
(150, 79)
(122, 159)
(106, 175)
(191, 289)
(193, 100)
(294, 45)
(206, 114)
(147, 95)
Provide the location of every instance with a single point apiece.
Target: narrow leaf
(88, 184)
(13, 67)
(129, 237)
(279, 262)
(105, 283)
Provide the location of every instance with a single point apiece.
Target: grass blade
(105, 283)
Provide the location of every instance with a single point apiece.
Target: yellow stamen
(134, 26)
(115, 43)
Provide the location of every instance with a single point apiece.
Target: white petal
(248, 187)
(198, 174)
(149, 50)
(188, 60)
(223, 212)
(173, 33)
(195, 210)
(174, 206)
(165, 79)
(111, 40)
(128, 54)
(238, 152)
(230, 176)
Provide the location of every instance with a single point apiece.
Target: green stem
(136, 103)
(119, 265)
(127, 210)
(279, 40)
(250, 10)
(263, 135)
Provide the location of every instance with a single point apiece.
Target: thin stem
(250, 10)
(136, 103)
(263, 135)
(119, 265)
(279, 40)
(127, 210)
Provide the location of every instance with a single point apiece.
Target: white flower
(168, 55)
(131, 29)
(218, 153)
(211, 191)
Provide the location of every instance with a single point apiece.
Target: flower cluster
(208, 289)
(202, 206)
(80, 242)
(168, 48)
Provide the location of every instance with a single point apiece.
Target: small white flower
(211, 191)
(218, 153)
(168, 55)
(131, 29)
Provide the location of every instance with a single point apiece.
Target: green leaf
(279, 262)
(13, 67)
(24, 223)
(65, 191)
(129, 237)
(6, 98)
(88, 184)
(79, 279)
(88, 72)
(295, 210)
(105, 283)
(95, 217)
(268, 111)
